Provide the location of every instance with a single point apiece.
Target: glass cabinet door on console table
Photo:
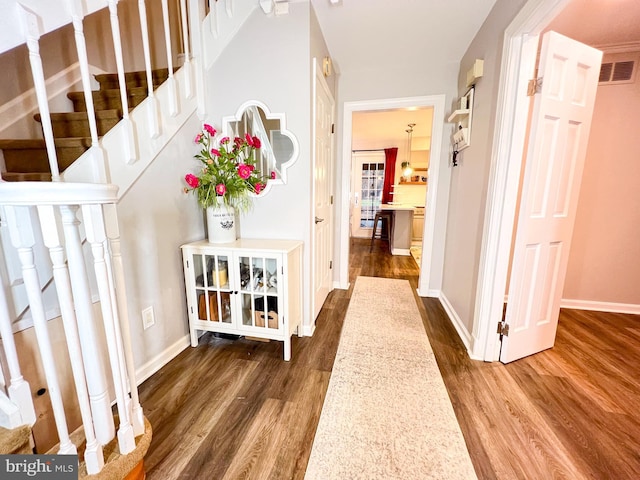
(248, 287)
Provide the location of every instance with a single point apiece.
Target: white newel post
(154, 122)
(124, 331)
(93, 455)
(129, 143)
(96, 376)
(32, 27)
(188, 78)
(196, 15)
(173, 89)
(18, 389)
(22, 238)
(96, 236)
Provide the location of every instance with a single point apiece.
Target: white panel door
(322, 227)
(557, 146)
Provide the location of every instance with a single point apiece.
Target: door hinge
(330, 264)
(503, 328)
(331, 200)
(535, 86)
(333, 128)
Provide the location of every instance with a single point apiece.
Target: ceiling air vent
(612, 73)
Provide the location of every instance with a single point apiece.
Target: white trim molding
(600, 306)
(518, 64)
(309, 330)
(160, 360)
(457, 323)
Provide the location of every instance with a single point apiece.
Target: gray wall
(469, 181)
(269, 60)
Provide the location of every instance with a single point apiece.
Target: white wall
(469, 180)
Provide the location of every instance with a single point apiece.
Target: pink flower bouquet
(228, 172)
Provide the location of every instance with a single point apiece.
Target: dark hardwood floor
(234, 409)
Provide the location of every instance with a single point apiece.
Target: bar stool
(386, 227)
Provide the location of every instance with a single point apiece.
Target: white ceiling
(385, 129)
(362, 33)
(600, 22)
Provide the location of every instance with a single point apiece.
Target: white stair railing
(57, 206)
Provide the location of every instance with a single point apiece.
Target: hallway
(234, 409)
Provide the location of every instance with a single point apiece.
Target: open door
(568, 75)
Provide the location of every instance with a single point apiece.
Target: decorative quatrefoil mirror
(278, 146)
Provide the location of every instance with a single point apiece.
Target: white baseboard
(595, 306)
(463, 333)
(600, 306)
(309, 330)
(341, 286)
(430, 293)
(405, 252)
(159, 361)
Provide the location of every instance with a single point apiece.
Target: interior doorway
(433, 227)
(520, 51)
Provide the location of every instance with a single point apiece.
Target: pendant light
(406, 165)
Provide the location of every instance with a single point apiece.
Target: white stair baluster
(113, 235)
(187, 54)
(99, 167)
(129, 143)
(196, 14)
(94, 366)
(173, 90)
(18, 388)
(228, 5)
(96, 236)
(154, 121)
(32, 27)
(213, 18)
(22, 238)
(93, 455)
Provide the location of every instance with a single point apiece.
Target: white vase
(221, 223)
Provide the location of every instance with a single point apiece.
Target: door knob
(318, 220)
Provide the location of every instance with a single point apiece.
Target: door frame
(520, 46)
(430, 280)
(319, 82)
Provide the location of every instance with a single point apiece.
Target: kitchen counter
(400, 241)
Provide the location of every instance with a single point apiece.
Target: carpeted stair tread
(27, 143)
(26, 177)
(30, 155)
(116, 466)
(15, 441)
(132, 79)
(108, 99)
(76, 124)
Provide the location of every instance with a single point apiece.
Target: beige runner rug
(387, 414)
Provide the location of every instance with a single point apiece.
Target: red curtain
(390, 155)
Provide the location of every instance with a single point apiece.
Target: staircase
(74, 221)
(26, 159)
